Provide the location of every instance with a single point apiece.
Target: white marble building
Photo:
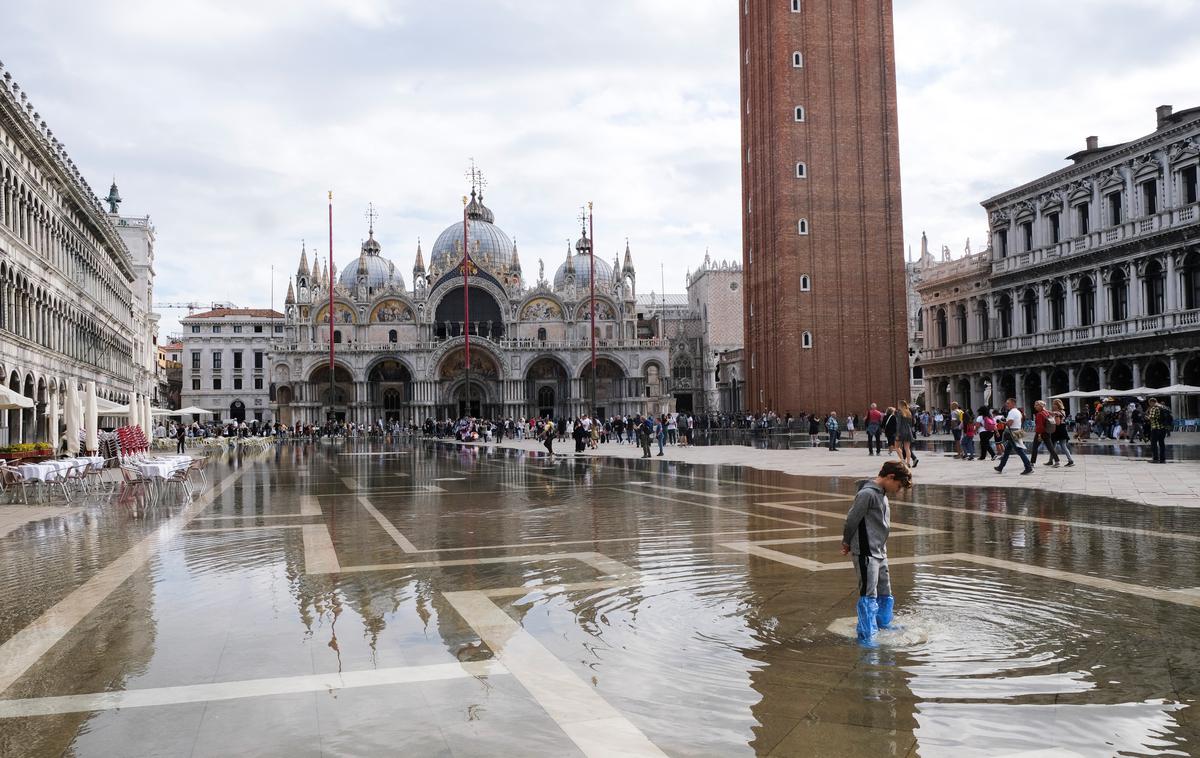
(400, 350)
(225, 354)
(1092, 280)
(69, 312)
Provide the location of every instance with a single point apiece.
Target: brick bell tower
(822, 244)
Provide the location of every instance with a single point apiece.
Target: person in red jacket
(1043, 426)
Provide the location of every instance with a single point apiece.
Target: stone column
(1137, 373)
(1073, 385)
(1178, 407)
(1019, 389)
(1044, 375)
(1070, 306)
(1102, 375)
(1171, 285)
(1043, 308)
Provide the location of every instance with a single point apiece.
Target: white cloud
(227, 121)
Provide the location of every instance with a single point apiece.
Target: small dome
(583, 272)
(378, 270)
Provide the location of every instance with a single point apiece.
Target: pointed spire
(419, 265)
(291, 295)
(516, 260)
(332, 275)
(628, 257)
(570, 260)
(302, 270)
(924, 245)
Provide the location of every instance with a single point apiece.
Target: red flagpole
(466, 264)
(592, 281)
(331, 296)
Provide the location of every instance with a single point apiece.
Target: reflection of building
(822, 242)
(1092, 280)
(225, 368)
(400, 352)
(66, 278)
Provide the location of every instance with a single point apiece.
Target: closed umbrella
(91, 419)
(52, 423)
(72, 419)
(147, 419)
(135, 408)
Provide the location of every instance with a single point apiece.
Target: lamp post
(592, 282)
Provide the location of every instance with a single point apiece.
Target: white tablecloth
(49, 471)
(163, 467)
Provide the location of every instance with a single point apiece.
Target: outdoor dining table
(49, 471)
(161, 468)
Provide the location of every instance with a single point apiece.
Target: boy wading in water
(865, 536)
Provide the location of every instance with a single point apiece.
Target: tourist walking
(1014, 435)
(814, 430)
(660, 433)
(956, 429)
(986, 424)
(1043, 427)
(864, 535)
(969, 428)
(1160, 420)
(889, 429)
(1060, 438)
(643, 428)
(904, 435)
(548, 435)
(180, 439)
(874, 427)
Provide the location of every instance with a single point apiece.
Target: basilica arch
(485, 393)
(547, 387)
(390, 390)
(487, 317)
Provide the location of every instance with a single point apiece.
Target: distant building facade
(1092, 280)
(67, 278)
(825, 308)
(400, 351)
(225, 355)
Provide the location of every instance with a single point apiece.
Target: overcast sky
(226, 122)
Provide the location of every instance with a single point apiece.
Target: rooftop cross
(370, 216)
(475, 176)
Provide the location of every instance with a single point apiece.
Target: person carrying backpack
(1161, 421)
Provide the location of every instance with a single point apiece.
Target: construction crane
(193, 306)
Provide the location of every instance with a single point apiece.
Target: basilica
(400, 351)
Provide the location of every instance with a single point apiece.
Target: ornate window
(802, 226)
(1029, 309)
(943, 329)
(1087, 302)
(1191, 281)
(1058, 309)
(1118, 296)
(805, 283)
(541, 334)
(1156, 280)
(391, 335)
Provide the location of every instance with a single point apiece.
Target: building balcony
(1170, 219)
(1141, 326)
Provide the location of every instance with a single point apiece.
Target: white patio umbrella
(10, 399)
(52, 422)
(134, 410)
(191, 409)
(106, 407)
(147, 419)
(91, 420)
(72, 419)
(1072, 393)
(1178, 389)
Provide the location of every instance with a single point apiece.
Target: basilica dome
(379, 270)
(488, 243)
(580, 264)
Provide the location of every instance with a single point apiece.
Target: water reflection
(706, 650)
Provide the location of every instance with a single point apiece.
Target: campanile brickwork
(836, 60)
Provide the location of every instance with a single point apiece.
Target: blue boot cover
(867, 608)
(884, 616)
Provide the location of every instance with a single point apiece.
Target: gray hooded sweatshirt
(867, 523)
